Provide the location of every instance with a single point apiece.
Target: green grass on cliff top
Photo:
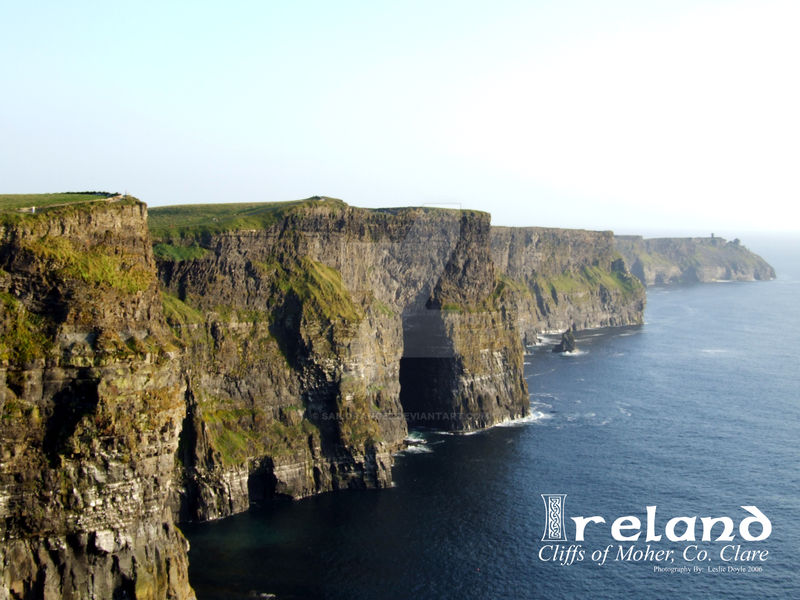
(189, 220)
(19, 202)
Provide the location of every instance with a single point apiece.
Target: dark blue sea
(696, 412)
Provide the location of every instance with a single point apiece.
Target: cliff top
(555, 230)
(26, 202)
(14, 207)
(713, 240)
(189, 220)
(683, 244)
(180, 220)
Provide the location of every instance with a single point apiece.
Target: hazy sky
(627, 115)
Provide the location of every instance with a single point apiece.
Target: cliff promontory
(687, 260)
(314, 333)
(91, 406)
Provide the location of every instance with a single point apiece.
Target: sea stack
(567, 342)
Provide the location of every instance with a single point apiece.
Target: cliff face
(560, 278)
(310, 330)
(261, 349)
(687, 260)
(91, 405)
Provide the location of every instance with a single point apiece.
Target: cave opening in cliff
(427, 368)
(69, 406)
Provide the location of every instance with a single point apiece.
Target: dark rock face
(567, 343)
(660, 261)
(558, 278)
(313, 341)
(91, 405)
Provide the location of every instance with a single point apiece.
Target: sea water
(697, 412)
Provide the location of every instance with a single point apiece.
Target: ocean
(696, 412)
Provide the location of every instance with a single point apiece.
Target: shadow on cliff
(70, 406)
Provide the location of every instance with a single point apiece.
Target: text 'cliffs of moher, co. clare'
(186, 365)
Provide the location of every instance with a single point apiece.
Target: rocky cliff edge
(91, 406)
(315, 333)
(660, 261)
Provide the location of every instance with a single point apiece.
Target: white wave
(416, 449)
(532, 417)
(577, 352)
(535, 405)
(415, 437)
(526, 363)
(714, 350)
(542, 373)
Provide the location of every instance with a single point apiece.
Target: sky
(636, 116)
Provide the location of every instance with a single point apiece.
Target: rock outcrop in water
(91, 406)
(687, 260)
(560, 278)
(567, 343)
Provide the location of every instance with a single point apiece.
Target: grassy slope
(191, 220)
(587, 281)
(186, 223)
(11, 202)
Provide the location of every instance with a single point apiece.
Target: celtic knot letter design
(554, 518)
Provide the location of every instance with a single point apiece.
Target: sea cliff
(91, 406)
(566, 278)
(316, 332)
(686, 260)
(189, 365)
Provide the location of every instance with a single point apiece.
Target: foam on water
(533, 417)
(415, 437)
(416, 449)
(577, 352)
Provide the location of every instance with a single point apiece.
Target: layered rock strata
(561, 279)
(262, 349)
(316, 332)
(91, 406)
